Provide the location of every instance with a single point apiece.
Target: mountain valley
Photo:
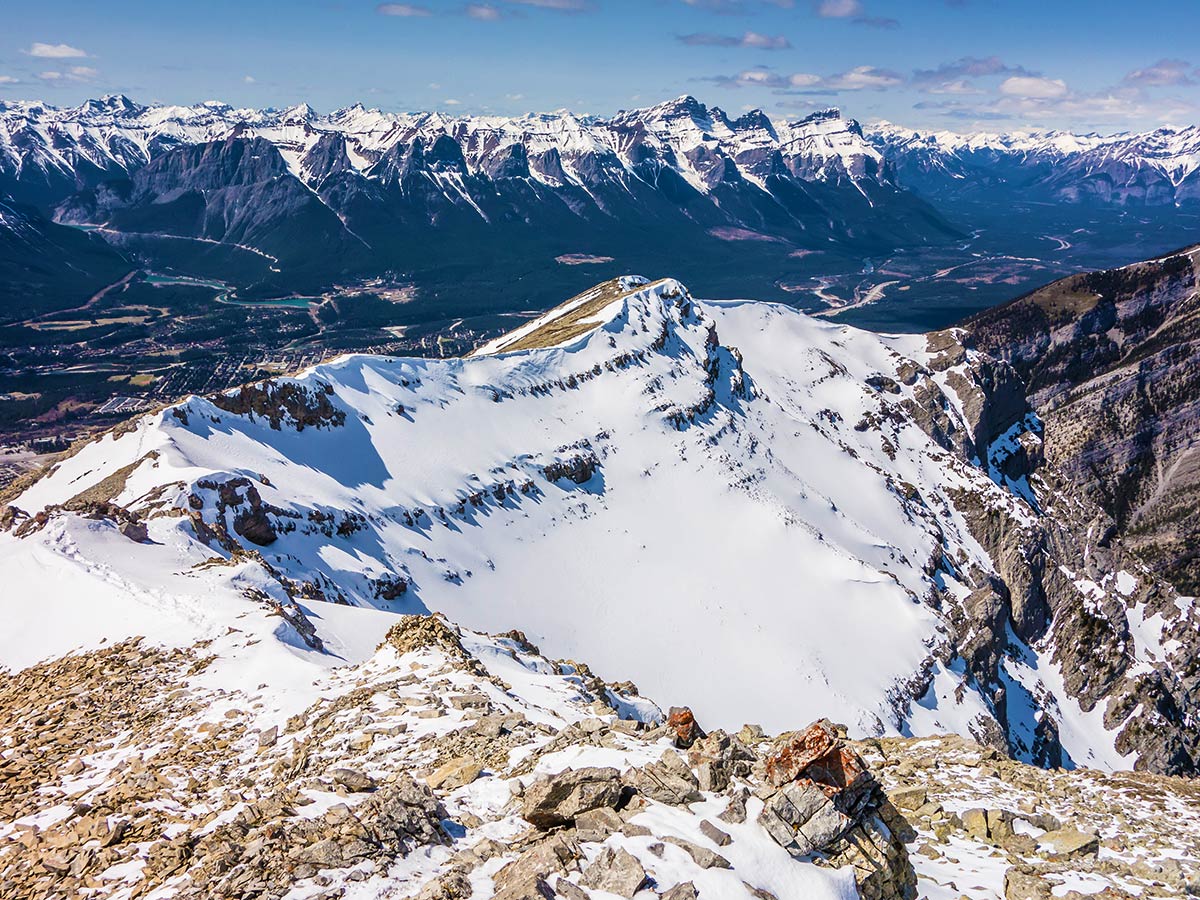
(153, 251)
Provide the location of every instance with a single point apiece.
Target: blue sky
(956, 64)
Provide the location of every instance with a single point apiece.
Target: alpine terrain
(1156, 168)
(1111, 362)
(281, 200)
(650, 596)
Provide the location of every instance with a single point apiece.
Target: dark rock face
(579, 468)
(32, 254)
(236, 191)
(1113, 365)
(1047, 550)
(282, 402)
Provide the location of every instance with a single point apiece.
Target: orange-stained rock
(808, 746)
(681, 721)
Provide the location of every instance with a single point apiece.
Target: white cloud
(857, 79)
(804, 80)
(1034, 88)
(8, 79)
(452, 102)
(485, 12)
(1164, 72)
(959, 86)
(864, 77)
(757, 77)
(1116, 107)
(249, 79)
(407, 10)
(54, 51)
(751, 40)
(514, 96)
(839, 9)
(74, 73)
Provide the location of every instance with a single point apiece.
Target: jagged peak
(685, 105)
(823, 115)
(299, 112)
(753, 119)
(110, 103)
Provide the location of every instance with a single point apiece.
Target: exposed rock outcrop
(1051, 551)
(1112, 361)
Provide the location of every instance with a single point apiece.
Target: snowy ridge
(1061, 142)
(1159, 166)
(732, 504)
(116, 135)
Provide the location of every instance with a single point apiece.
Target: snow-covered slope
(733, 504)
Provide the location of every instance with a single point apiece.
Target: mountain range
(466, 207)
(1155, 168)
(376, 191)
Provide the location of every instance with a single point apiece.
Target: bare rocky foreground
(455, 765)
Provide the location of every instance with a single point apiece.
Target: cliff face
(1061, 586)
(1112, 360)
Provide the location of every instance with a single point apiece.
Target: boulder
(597, 824)
(684, 727)
(714, 834)
(568, 890)
(909, 798)
(454, 774)
(1069, 842)
(615, 871)
(684, 891)
(701, 856)
(352, 779)
(560, 798)
(135, 531)
(735, 812)
(454, 885)
(669, 780)
(1025, 883)
(802, 819)
(532, 889)
(717, 758)
(525, 877)
(975, 823)
(799, 752)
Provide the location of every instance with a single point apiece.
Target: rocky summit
(453, 764)
(900, 654)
